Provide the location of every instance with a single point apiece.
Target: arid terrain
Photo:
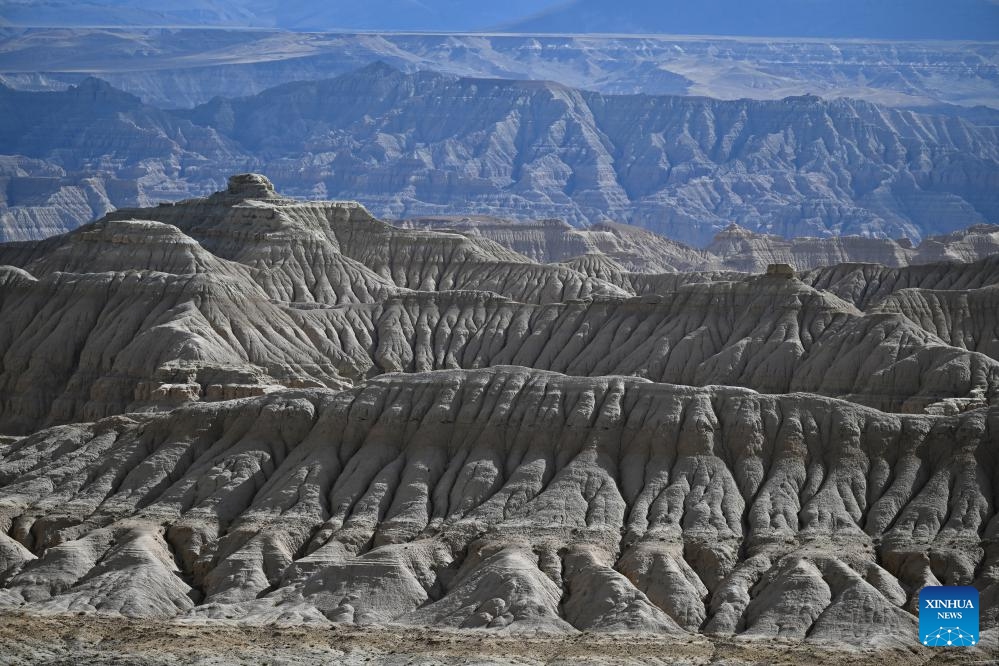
(104, 641)
(419, 144)
(239, 426)
(548, 332)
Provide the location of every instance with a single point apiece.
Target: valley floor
(100, 640)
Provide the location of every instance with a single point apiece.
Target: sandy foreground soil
(74, 639)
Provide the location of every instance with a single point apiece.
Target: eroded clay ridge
(319, 247)
(511, 499)
(81, 346)
(866, 284)
(246, 291)
(734, 248)
(424, 144)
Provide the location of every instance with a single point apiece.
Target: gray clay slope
(252, 408)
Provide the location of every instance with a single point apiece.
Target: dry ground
(75, 639)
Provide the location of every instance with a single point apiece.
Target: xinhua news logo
(948, 616)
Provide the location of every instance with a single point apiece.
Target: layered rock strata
(508, 499)
(257, 409)
(426, 144)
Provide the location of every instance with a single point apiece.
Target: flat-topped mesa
(334, 252)
(784, 271)
(251, 186)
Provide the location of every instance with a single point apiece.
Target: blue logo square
(948, 616)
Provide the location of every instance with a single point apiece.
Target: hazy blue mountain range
(872, 19)
(304, 15)
(869, 19)
(185, 67)
(429, 144)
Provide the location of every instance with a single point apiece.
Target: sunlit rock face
(251, 408)
(507, 499)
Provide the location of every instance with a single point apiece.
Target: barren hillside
(247, 409)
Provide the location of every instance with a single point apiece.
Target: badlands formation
(246, 410)
(427, 144)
